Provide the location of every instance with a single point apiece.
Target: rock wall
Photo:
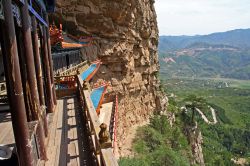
(126, 41)
(195, 139)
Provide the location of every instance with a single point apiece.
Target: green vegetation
(193, 102)
(221, 55)
(207, 63)
(230, 137)
(158, 144)
(214, 70)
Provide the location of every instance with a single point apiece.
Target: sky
(191, 17)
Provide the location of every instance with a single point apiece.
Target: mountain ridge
(238, 38)
(225, 55)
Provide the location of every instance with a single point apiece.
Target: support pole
(37, 60)
(17, 106)
(31, 76)
(49, 91)
(51, 62)
(39, 72)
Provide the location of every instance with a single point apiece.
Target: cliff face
(126, 40)
(195, 140)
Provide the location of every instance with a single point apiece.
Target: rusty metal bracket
(1, 10)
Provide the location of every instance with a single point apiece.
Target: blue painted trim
(96, 96)
(37, 16)
(89, 71)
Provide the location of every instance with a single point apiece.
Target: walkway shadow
(85, 156)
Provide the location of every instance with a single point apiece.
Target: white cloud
(189, 17)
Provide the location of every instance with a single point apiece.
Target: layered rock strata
(125, 39)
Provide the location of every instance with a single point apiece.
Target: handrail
(115, 123)
(4, 99)
(2, 87)
(102, 151)
(73, 70)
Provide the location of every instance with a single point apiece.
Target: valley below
(214, 69)
(207, 82)
(230, 137)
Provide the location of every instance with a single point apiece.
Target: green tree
(192, 102)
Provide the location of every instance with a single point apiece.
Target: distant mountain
(238, 38)
(224, 55)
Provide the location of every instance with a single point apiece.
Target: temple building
(51, 113)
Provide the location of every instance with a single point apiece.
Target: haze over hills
(225, 55)
(239, 38)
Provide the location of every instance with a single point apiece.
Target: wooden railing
(2, 87)
(113, 123)
(73, 70)
(65, 86)
(102, 150)
(3, 93)
(3, 99)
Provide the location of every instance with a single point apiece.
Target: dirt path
(214, 115)
(205, 118)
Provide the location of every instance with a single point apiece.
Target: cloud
(189, 17)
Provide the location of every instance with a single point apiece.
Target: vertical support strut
(50, 62)
(39, 72)
(49, 91)
(18, 115)
(31, 75)
(37, 60)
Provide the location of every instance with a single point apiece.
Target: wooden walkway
(67, 143)
(6, 131)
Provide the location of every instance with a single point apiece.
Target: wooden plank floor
(105, 113)
(6, 131)
(67, 143)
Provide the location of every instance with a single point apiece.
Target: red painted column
(51, 63)
(17, 106)
(49, 91)
(31, 79)
(39, 72)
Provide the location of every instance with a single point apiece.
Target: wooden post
(31, 75)
(49, 91)
(39, 72)
(17, 106)
(37, 60)
(50, 62)
(27, 97)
